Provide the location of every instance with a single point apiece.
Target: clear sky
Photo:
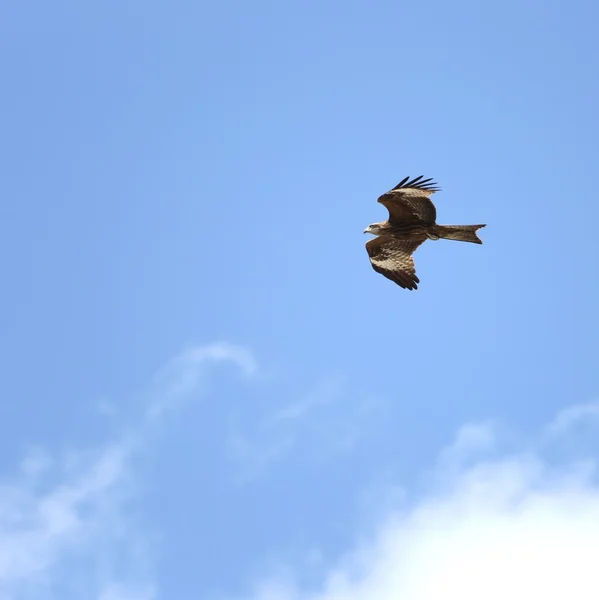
(208, 393)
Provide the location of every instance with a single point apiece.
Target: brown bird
(412, 220)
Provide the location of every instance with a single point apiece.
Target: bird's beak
(367, 230)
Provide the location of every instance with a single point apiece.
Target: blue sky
(209, 393)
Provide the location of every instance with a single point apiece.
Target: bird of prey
(412, 220)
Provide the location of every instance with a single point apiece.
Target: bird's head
(375, 229)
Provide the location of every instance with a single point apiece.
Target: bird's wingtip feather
(418, 183)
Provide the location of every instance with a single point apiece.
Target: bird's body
(412, 220)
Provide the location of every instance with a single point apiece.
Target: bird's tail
(461, 233)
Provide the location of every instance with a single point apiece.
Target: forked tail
(461, 233)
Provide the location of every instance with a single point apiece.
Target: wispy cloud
(325, 393)
(572, 416)
(512, 525)
(64, 520)
(55, 509)
(180, 378)
(318, 424)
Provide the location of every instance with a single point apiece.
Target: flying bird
(412, 220)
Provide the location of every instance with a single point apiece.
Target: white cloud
(515, 526)
(41, 525)
(573, 416)
(180, 377)
(326, 420)
(64, 526)
(327, 392)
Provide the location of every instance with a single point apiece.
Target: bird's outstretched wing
(408, 201)
(393, 259)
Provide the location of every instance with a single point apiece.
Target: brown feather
(392, 258)
(412, 220)
(408, 202)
